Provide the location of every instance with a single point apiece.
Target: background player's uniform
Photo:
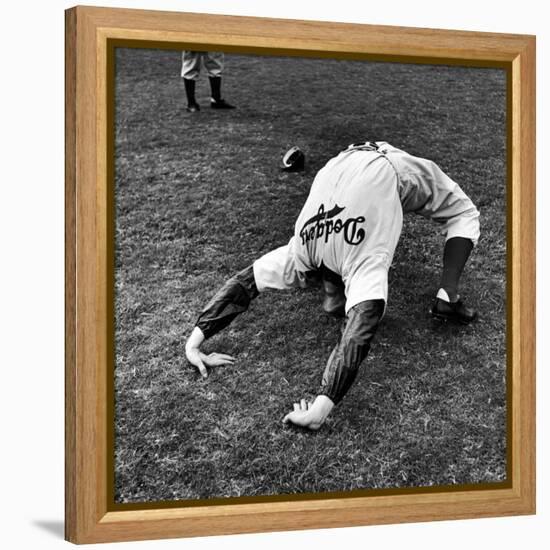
(191, 64)
(349, 228)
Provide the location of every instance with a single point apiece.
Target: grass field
(200, 196)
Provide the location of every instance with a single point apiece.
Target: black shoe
(221, 104)
(193, 108)
(453, 311)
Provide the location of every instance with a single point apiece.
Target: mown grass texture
(200, 196)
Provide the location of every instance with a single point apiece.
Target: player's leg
(448, 204)
(461, 238)
(334, 299)
(190, 69)
(455, 255)
(213, 62)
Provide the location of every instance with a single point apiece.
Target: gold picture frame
(91, 36)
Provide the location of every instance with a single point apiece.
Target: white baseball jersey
(353, 216)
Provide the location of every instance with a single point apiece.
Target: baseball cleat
(456, 312)
(221, 104)
(193, 108)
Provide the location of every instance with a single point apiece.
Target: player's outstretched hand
(310, 415)
(301, 416)
(194, 356)
(217, 359)
(201, 360)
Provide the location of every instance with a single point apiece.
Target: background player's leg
(455, 255)
(216, 89)
(190, 69)
(213, 61)
(192, 105)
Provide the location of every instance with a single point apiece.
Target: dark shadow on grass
(449, 329)
(294, 428)
(54, 527)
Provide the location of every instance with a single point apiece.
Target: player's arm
(231, 300)
(343, 364)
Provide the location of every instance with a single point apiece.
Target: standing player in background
(345, 236)
(190, 70)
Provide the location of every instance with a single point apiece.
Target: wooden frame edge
(155, 524)
(526, 137)
(71, 500)
(87, 518)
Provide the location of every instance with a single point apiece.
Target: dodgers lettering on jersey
(351, 223)
(323, 225)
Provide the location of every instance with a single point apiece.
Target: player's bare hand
(303, 416)
(217, 359)
(195, 357)
(201, 360)
(310, 415)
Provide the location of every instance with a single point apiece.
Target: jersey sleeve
(368, 281)
(280, 269)
(354, 345)
(231, 300)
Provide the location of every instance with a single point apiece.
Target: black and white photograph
(274, 274)
(310, 276)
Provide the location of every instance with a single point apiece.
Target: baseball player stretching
(346, 236)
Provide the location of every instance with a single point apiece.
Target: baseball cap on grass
(294, 160)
